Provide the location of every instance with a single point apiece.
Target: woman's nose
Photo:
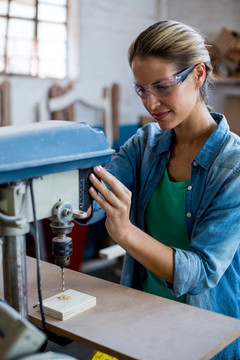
(152, 101)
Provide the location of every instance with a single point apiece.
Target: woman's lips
(160, 116)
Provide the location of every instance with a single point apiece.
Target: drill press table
(131, 324)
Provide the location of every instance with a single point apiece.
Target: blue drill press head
(37, 149)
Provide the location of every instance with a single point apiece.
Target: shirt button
(195, 163)
(189, 215)
(189, 187)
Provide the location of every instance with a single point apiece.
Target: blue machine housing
(37, 149)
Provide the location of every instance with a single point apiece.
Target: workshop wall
(207, 16)
(106, 28)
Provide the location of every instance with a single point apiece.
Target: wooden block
(67, 304)
(111, 252)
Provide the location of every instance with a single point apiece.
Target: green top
(165, 222)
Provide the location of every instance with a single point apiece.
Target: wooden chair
(5, 106)
(61, 102)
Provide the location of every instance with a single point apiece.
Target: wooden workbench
(131, 324)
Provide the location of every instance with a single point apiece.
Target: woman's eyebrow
(155, 82)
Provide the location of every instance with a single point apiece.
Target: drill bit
(63, 280)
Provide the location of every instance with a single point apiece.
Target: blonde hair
(177, 43)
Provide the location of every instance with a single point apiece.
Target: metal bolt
(66, 212)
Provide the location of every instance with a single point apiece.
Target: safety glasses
(162, 87)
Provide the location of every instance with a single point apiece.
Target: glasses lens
(141, 91)
(163, 88)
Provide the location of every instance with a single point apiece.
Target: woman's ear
(200, 74)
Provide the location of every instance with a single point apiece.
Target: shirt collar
(210, 149)
(212, 146)
(164, 142)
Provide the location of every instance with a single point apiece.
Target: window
(34, 38)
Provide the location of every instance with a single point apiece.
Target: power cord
(37, 250)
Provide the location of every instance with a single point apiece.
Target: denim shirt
(209, 272)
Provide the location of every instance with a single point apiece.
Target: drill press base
(67, 304)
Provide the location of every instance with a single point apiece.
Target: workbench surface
(131, 324)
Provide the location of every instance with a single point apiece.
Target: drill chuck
(62, 250)
(61, 224)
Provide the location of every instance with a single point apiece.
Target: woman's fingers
(115, 185)
(118, 196)
(103, 190)
(114, 198)
(100, 200)
(117, 188)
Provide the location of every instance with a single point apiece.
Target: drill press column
(15, 278)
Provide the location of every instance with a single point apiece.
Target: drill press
(46, 164)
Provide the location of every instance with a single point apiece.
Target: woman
(171, 195)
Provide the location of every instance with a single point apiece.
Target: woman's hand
(116, 203)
